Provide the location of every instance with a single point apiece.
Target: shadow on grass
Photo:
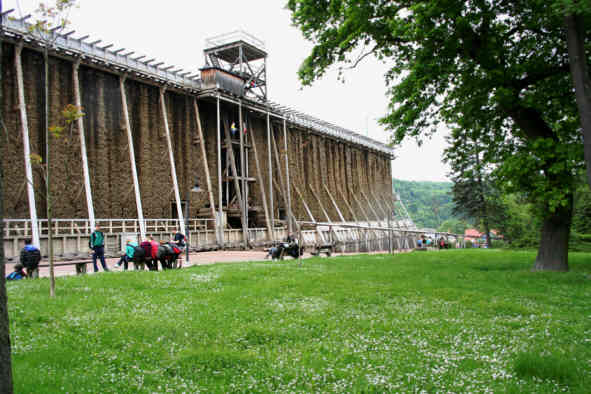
(553, 367)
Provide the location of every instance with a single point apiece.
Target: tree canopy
(499, 70)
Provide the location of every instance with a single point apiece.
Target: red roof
(472, 233)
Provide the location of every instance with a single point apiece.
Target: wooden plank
(278, 164)
(261, 183)
(136, 185)
(204, 159)
(309, 212)
(380, 208)
(236, 183)
(320, 203)
(370, 205)
(175, 183)
(335, 204)
(22, 105)
(83, 154)
(347, 204)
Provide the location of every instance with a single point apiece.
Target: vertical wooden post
(175, 183)
(219, 221)
(272, 211)
(243, 202)
(260, 181)
(83, 154)
(230, 153)
(136, 185)
(289, 214)
(204, 159)
(26, 145)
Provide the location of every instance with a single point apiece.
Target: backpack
(147, 246)
(139, 253)
(16, 275)
(31, 258)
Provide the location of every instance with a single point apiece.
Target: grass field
(450, 321)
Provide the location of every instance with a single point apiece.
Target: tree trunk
(575, 35)
(553, 250)
(5, 362)
(48, 178)
(487, 233)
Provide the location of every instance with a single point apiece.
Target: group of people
(424, 242)
(30, 256)
(147, 251)
(289, 247)
(28, 265)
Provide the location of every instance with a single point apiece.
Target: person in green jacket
(128, 255)
(97, 245)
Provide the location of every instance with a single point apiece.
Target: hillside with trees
(428, 203)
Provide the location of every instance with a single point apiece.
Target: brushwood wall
(348, 171)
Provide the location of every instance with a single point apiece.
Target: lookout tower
(237, 63)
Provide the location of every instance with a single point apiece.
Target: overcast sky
(174, 32)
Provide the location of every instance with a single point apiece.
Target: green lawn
(450, 321)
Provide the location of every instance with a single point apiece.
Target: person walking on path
(30, 258)
(97, 245)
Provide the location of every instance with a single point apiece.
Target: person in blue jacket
(18, 273)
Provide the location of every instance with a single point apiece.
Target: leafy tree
(459, 62)
(420, 197)
(582, 210)
(474, 194)
(577, 18)
(51, 20)
(455, 226)
(5, 359)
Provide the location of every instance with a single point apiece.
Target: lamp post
(196, 188)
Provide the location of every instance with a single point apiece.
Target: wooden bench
(327, 249)
(80, 265)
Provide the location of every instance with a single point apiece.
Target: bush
(468, 244)
(579, 242)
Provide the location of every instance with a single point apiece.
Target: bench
(327, 249)
(80, 265)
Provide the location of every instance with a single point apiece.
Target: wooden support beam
(219, 220)
(347, 204)
(270, 163)
(204, 160)
(279, 172)
(309, 212)
(175, 183)
(230, 152)
(378, 206)
(317, 197)
(136, 185)
(243, 173)
(287, 183)
(261, 183)
(22, 105)
(334, 203)
(375, 213)
(83, 154)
